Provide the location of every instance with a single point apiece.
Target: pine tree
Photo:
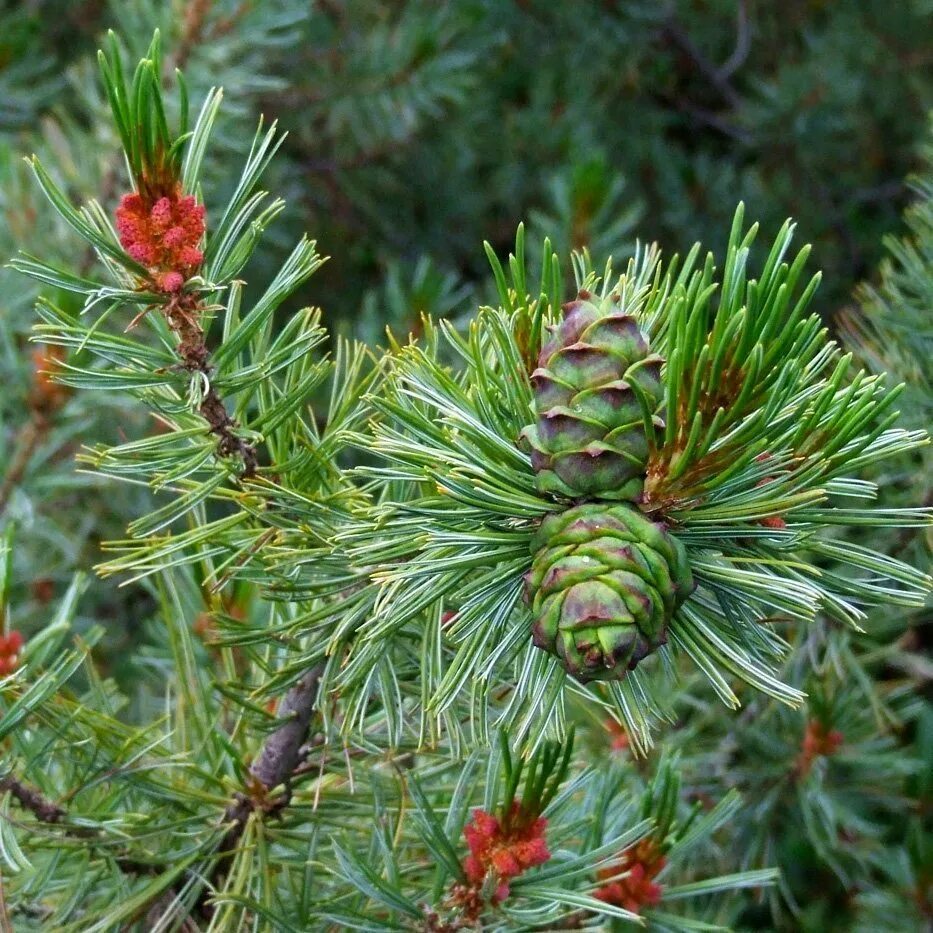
(394, 636)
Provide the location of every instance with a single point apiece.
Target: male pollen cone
(163, 236)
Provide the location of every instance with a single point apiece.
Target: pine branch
(275, 766)
(281, 753)
(44, 809)
(279, 759)
(183, 313)
(33, 432)
(47, 811)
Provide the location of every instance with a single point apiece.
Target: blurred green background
(422, 128)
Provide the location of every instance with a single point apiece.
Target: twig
(279, 759)
(183, 313)
(31, 799)
(743, 44)
(47, 811)
(281, 755)
(704, 117)
(674, 32)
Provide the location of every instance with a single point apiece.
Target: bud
(636, 888)
(503, 851)
(163, 236)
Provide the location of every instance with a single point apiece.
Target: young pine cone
(603, 586)
(595, 386)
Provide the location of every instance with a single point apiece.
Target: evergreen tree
(436, 635)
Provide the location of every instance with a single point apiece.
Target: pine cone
(604, 583)
(595, 385)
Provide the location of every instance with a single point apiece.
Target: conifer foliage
(400, 592)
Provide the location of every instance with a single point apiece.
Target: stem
(31, 799)
(183, 313)
(279, 758)
(716, 77)
(46, 811)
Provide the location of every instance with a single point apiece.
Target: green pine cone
(603, 585)
(595, 386)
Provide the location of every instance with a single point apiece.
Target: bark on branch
(44, 810)
(275, 765)
(281, 754)
(183, 315)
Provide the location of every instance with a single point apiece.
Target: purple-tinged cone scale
(603, 586)
(597, 389)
